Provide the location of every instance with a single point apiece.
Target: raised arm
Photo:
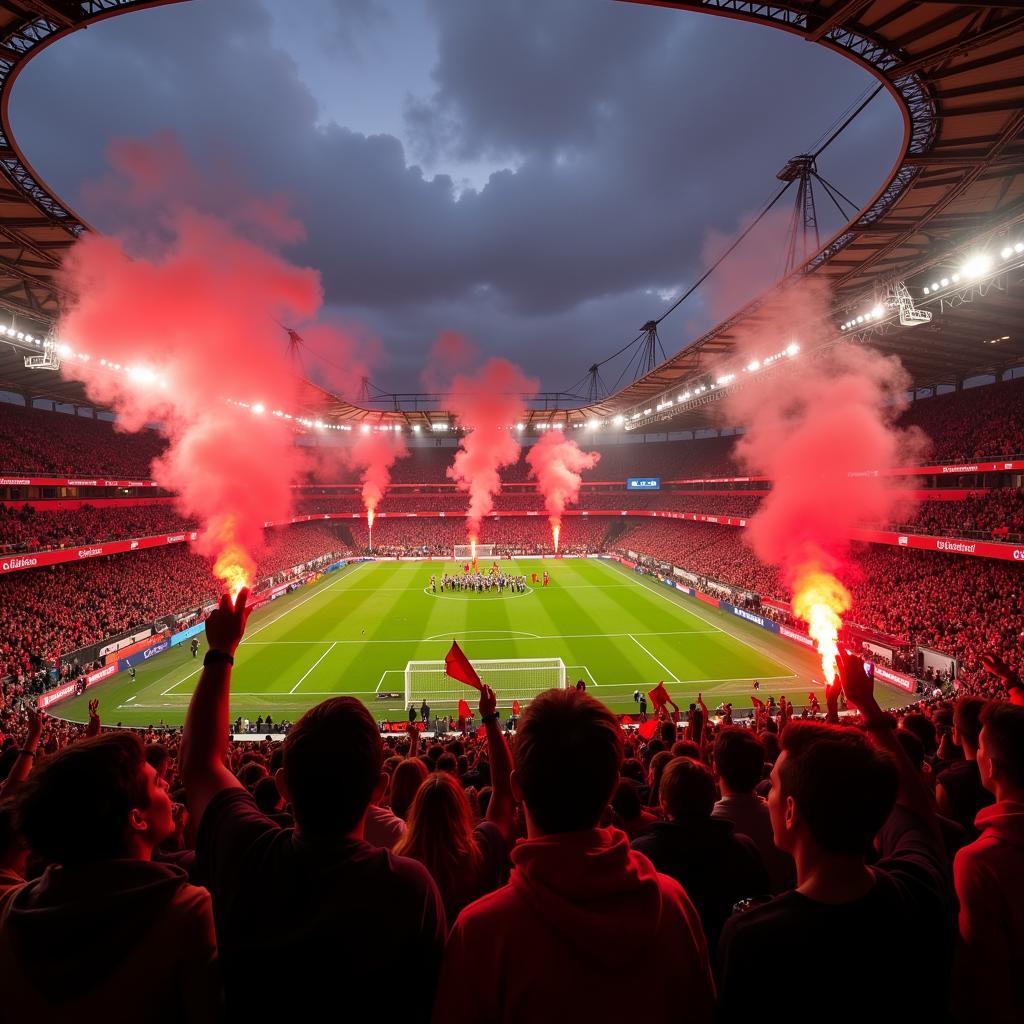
(93, 728)
(501, 809)
(205, 739)
(26, 754)
(859, 688)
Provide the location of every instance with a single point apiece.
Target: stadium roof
(956, 71)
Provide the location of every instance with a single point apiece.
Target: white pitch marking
(651, 656)
(314, 665)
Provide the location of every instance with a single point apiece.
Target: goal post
(464, 552)
(511, 679)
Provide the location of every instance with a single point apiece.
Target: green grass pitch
(354, 630)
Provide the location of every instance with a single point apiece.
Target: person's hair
(332, 764)
(912, 747)
(251, 775)
(1004, 739)
(923, 729)
(267, 795)
(74, 808)
(405, 781)
(686, 748)
(687, 790)
(967, 719)
(667, 732)
(655, 746)
(843, 787)
(11, 842)
(440, 836)
(447, 762)
(626, 801)
(633, 769)
(157, 756)
(568, 754)
(658, 764)
(693, 707)
(739, 758)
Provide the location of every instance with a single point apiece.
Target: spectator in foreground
(988, 873)
(344, 912)
(550, 945)
(716, 867)
(106, 933)
(959, 793)
(464, 861)
(833, 788)
(739, 764)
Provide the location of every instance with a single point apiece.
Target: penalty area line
(313, 666)
(653, 658)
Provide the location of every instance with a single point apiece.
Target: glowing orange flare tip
(371, 514)
(820, 600)
(235, 569)
(556, 529)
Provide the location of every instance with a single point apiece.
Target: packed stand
(33, 441)
(28, 528)
(516, 870)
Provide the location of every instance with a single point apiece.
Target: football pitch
(354, 630)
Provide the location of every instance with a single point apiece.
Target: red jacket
(988, 872)
(585, 928)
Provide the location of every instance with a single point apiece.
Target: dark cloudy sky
(542, 175)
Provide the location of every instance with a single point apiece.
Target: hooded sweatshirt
(114, 940)
(990, 960)
(550, 945)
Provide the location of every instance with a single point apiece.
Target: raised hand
(858, 686)
(488, 701)
(226, 623)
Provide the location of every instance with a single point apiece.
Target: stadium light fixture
(594, 424)
(647, 412)
(977, 265)
(259, 408)
(753, 366)
(792, 348)
(365, 428)
(619, 420)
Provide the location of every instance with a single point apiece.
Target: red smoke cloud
(451, 353)
(809, 427)
(181, 328)
(556, 463)
(375, 453)
(487, 407)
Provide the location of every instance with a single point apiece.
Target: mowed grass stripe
(368, 623)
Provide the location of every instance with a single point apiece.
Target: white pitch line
(314, 665)
(651, 656)
(593, 681)
(184, 679)
(717, 629)
(343, 574)
(383, 675)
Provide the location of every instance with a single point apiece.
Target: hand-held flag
(457, 665)
(659, 696)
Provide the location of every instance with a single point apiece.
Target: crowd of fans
(59, 444)
(517, 874)
(47, 613)
(28, 528)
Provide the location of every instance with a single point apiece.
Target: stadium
(559, 628)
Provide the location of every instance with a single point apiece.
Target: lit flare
(556, 530)
(235, 568)
(820, 600)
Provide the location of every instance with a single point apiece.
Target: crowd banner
(37, 559)
(742, 613)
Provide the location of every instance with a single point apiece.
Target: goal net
(511, 679)
(464, 553)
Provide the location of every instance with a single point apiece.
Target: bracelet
(212, 657)
(492, 717)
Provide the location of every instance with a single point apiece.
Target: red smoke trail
(556, 463)
(809, 427)
(487, 407)
(180, 327)
(375, 453)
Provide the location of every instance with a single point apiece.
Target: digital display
(643, 483)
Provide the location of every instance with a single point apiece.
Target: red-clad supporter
(580, 902)
(990, 968)
(107, 932)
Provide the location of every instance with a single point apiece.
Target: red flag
(481, 731)
(759, 704)
(457, 665)
(648, 729)
(464, 710)
(515, 708)
(659, 696)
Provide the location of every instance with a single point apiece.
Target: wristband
(27, 752)
(492, 717)
(212, 657)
